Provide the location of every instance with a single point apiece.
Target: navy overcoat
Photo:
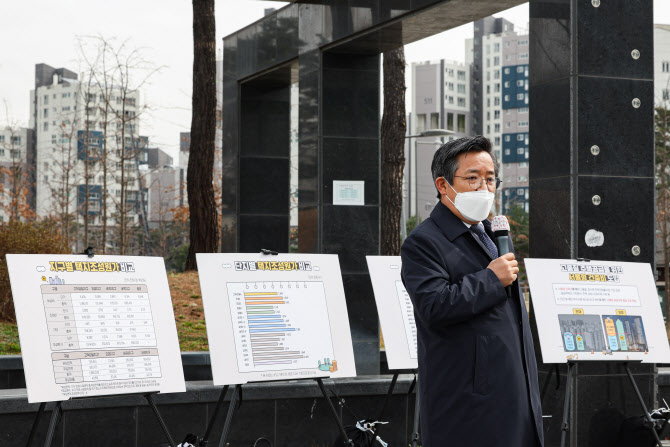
(477, 369)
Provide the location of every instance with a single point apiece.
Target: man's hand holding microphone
(506, 268)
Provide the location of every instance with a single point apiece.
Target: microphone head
(499, 223)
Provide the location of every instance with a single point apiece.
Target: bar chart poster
(94, 326)
(396, 312)
(597, 310)
(275, 317)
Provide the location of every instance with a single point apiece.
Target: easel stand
(565, 426)
(58, 409)
(237, 391)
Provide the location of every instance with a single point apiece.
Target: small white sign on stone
(348, 192)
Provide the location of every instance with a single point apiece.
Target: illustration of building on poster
(277, 317)
(396, 312)
(597, 310)
(94, 326)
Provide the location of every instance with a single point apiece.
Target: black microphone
(500, 228)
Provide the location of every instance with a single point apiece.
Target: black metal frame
(565, 425)
(58, 409)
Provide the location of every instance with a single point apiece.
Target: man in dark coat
(477, 369)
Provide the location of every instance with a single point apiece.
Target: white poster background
(30, 275)
(396, 313)
(602, 289)
(309, 303)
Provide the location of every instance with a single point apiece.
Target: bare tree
(393, 150)
(202, 205)
(15, 176)
(120, 72)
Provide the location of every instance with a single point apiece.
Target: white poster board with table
(94, 326)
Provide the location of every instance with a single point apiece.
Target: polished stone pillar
(339, 140)
(592, 169)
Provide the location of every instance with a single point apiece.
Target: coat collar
(452, 226)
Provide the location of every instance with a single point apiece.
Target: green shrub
(24, 238)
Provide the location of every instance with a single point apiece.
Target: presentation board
(597, 310)
(396, 312)
(275, 317)
(94, 326)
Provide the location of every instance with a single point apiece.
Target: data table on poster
(273, 323)
(100, 332)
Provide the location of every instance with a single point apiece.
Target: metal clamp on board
(582, 260)
(89, 251)
(265, 251)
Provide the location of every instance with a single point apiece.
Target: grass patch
(9, 339)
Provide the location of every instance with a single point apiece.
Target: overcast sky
(45, 31)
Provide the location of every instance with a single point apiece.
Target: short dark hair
(445, 160)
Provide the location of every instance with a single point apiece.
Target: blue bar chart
(276, 325)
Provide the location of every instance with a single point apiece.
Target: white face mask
(473, 205)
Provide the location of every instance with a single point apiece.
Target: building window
(520, 191)
(508, 124)
(520, 151)
(523, 110)
(519, 69)
(507, 58)
(461, 123)
(522, 42)
(496, 114)
(2, 152)
(461, 88)
(507, 151)
(461, 102)
(523, 164)
(451, 100)
(523, 56)
(519, 137)
(496, 101)
(519, 96)
(519, 83)
(497, 87)
(506, 84)
(496, 47)
(497, 141)
(450, 86)
(523, 123)
(46, 126)
(450, 72)
(496, 60)
(421, 122)
(450, 121)
(496, 74)
(496, 127)
(461, 75)
(666, 67)
(666, 95)
(507, 138)
(506, 71)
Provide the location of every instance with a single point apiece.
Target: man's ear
(441, 185)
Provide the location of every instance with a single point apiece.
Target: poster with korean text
(597, 310)
(275, 317)
(94, 326)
